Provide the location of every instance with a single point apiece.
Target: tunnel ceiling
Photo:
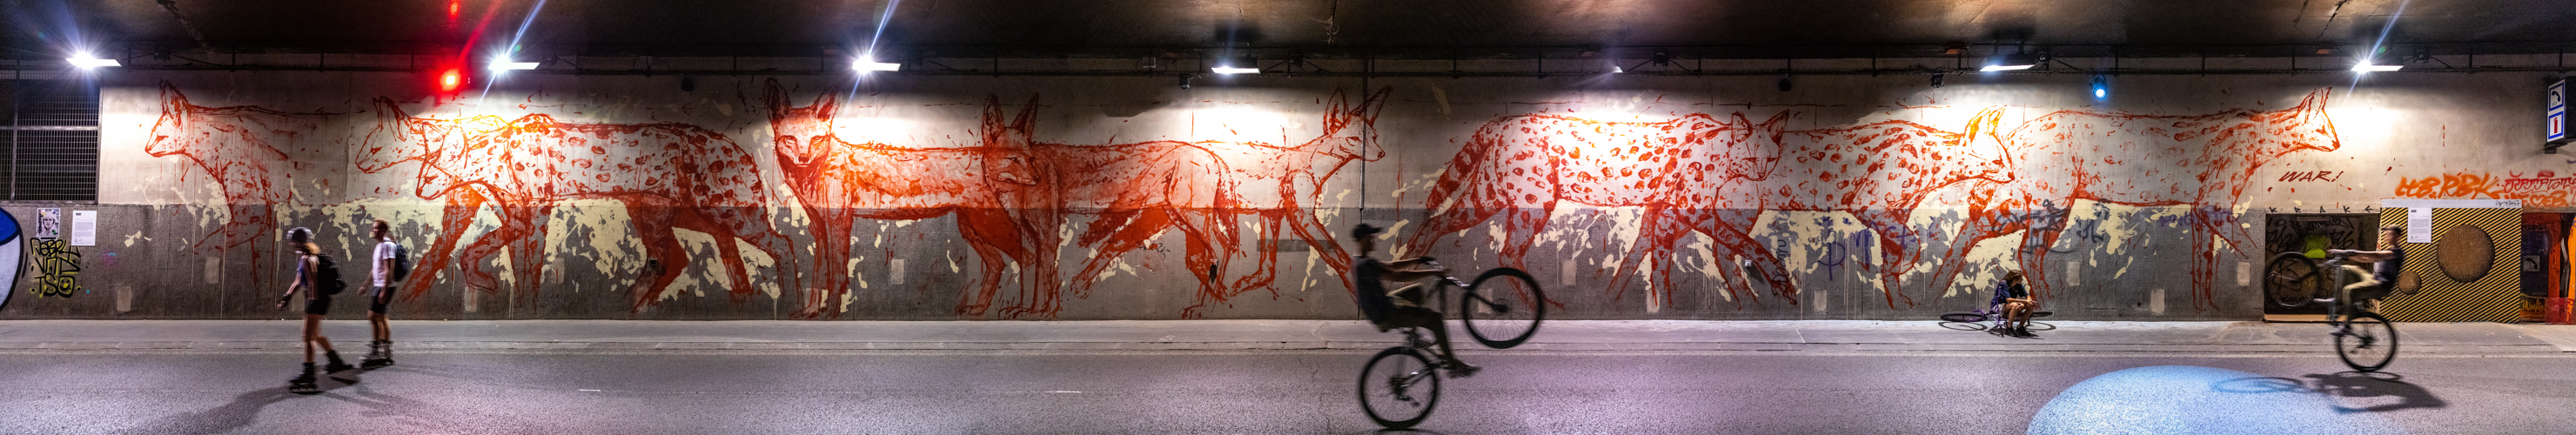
(1412, 28)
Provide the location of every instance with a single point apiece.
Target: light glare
(1233, 70)
(2367, 67)
(1993, 68)
(85, 61)
(871, 65)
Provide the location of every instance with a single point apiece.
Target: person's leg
(312, 334)
(1410, 294)
(376, 313)
(1419, 317)
(313, 337)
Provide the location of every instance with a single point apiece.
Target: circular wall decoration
(2465, 253)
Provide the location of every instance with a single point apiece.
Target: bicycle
(1990, 317)
(2365, 341)
(1399, 387)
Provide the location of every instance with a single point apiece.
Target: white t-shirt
(384, 254)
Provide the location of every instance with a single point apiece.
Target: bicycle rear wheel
(1503, 308)
(2293, 280)
(1398, 388)
(2369, 343)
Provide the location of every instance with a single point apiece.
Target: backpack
(402, 263)
(329, 274)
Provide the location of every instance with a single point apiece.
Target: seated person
(1402, 308)
(2386, 264)
(2016, 302)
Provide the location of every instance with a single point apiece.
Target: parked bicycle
(1502, 308)
(2365, 341)
(1990, 317)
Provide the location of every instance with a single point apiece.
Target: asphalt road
(1284, 392)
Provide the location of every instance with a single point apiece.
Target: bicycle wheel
(2369, 344)
(1963, 317)
(1503, 308)
(1399, 387)
(2292, 279)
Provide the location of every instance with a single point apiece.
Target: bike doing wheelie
(2365, 341)
(1398, 388)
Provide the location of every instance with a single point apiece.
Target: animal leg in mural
(659, 216)
(237, 146)
(1298, 175)
(653, 223)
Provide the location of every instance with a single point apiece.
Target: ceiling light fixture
(1246, 65)
(503, 63)
(870, 64)
(2010, 62)
(2367, 67)
(84, 61)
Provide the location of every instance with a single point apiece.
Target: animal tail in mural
(1279, 186)
(240, 148)
(2201, 162)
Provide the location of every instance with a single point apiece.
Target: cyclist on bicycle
(2016, 302)
(2386, 264)
(1403, 307)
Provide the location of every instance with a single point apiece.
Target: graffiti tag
(60, 266)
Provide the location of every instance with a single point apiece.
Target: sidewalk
(1592, 335)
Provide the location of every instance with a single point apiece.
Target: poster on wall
(49, 223)
(85, 228)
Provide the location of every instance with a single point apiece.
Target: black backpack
(329, 274)
(402, 262)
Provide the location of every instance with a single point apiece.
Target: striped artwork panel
(2493, 297)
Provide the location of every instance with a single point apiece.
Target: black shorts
(319, 305)
(383, 295)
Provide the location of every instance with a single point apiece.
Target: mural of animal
(240, 147)
(1523, 167)
(1133, 192)
(1002, 213)
(669, 175)
(2204, 162)
(1879, 173)
(1279, 185)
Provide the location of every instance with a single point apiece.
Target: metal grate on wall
(52, 140)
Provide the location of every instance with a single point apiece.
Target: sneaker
(1461, 370)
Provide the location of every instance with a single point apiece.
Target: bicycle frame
(2336, 279)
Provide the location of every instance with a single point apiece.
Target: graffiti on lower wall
(58, 268)
(2539, 189)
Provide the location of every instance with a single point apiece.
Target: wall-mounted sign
(84, 228)
(2557, 112)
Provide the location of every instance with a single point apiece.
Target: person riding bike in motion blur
(1402, 307)
(2381, 279)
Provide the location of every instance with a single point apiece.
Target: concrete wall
(949, 197)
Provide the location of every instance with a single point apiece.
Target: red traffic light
(450, 80)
